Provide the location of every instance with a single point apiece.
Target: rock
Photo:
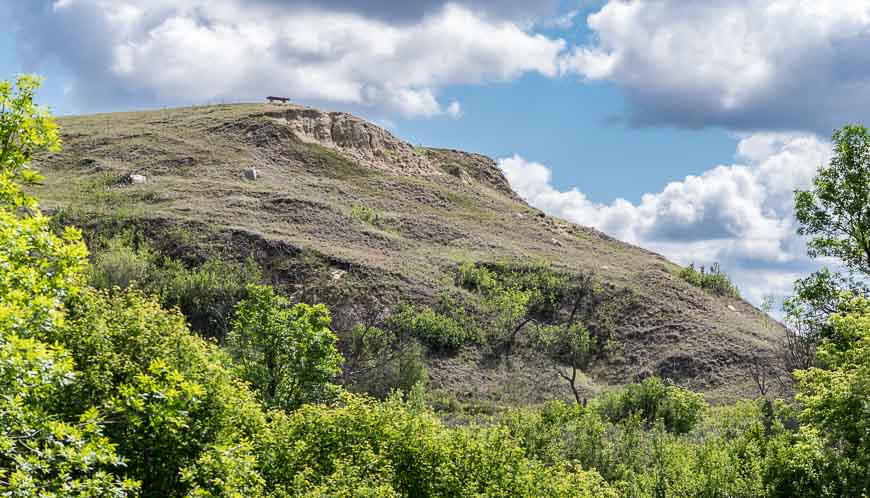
(137, 179)
(251, 174)
(732, 308)
(556, 242)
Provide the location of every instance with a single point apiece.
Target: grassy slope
(197, 202)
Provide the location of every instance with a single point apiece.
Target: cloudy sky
(680, 126)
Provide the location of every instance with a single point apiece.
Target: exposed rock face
(356, 138)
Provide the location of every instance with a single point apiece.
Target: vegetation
(712, 280)
(106, 392)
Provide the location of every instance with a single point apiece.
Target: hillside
(341, 197)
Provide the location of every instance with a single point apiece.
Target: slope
(337, 194)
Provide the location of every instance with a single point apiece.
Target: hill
(338, 200)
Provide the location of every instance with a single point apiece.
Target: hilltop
(340, 197)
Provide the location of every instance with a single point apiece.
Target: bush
(678, 409)
(440, 333)
(378, 361)
(404, 450)
(205, 294)
(121, 265)
(366, 214)
(169, 395)
(713, 280)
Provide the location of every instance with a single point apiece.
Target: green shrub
(712, 280)
(206, 294)
(168, 394)
(366, 214)
(440, 333)
(119, 264)
(678, 409)
(405, 451)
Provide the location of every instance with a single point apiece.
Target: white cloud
(198, 50)
(740, 214)
(741, 64)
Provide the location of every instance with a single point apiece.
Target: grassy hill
(339, 200)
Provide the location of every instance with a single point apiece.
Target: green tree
(25, 129)
(44, 450)
(835, 400)
(287, 353)
(835, 213)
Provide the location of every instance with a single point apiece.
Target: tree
(44, 450)
(835, 400)
(288, 354)
(569, 344)
(25, 129)
(835, 213)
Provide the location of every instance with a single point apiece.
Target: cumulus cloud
(741, 64)
(166, 52)
(740, 215)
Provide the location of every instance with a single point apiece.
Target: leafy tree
(169, 395)
(835, 400)
(835, 213)
(25, 129)
(287, 353)
(41, 452)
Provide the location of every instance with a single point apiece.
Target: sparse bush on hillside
(366, 214)
(712, 280)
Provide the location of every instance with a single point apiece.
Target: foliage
(25, 129)
(206, 294)
(168, 394)
(440, 333)
(288, 354)
(835, 400)
(570, 344)
(380, 361)
(712, 280)
(41, 453)
(366, 214)
(653, 401)
(405, 451)
(834, 213)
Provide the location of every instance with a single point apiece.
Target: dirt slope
(345, 192)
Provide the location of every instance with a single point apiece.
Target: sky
(683, 127)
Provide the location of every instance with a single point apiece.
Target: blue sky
(681, 127)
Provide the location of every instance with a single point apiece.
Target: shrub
(168, 393)
(207, 294)
(121, 265)
(713, 280)
(677, 408)
(406, 451)
(366, 214)
(378, 361)
(440, 333)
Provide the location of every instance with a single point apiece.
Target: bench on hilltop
(283, 100)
